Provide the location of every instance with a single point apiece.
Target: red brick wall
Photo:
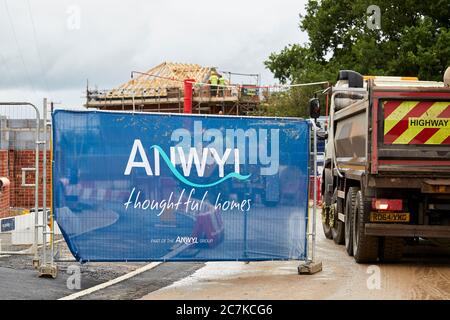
(11, 164)
(4, 196)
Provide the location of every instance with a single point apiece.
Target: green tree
(414, 40)
(285, 103)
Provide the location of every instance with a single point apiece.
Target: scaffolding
(161, 90)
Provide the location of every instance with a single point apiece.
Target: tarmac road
(24, 284)
(20, 281)
(423, 274)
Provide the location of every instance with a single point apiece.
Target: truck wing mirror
(322, 135)
(314, 108)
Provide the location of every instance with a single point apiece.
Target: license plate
(389, 217)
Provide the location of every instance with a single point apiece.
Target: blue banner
(156, 187)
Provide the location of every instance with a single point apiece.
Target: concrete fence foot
(310, 267)
(47, 271)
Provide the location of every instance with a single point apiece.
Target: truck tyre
(338, 229)
(349, 205)
(327, 198)
(365, 248)
(326, 225)
(391, 249)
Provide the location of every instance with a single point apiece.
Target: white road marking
(127, 276)
(111, 282)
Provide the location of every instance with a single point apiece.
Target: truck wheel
(327, 197)
(326, 224)
(391, 249)
(338, 228)
(365, 248)
(349, 205)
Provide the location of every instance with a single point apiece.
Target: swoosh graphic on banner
(192, 184)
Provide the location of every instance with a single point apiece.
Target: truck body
(387, 164)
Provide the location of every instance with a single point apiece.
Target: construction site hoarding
(164, 187)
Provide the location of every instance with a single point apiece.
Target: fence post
(44, 186)
(311, 266)
(313, 249)
(36, 194)
(45, 269)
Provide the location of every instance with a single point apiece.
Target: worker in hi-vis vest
(222, 86)
(213, 81)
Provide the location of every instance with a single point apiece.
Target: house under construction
(161, 89)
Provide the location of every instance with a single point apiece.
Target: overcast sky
(102, 41)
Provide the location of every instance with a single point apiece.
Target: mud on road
(423, 274)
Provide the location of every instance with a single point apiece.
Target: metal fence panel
(20, 168)
(148, 187)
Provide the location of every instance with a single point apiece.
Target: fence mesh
(18, 127)
(254, 210)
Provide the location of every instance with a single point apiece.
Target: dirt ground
(423, 274)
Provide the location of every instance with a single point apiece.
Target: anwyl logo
(220, 150)
(187, 240)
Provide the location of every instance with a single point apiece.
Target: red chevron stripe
(424, 135)
(427, 133)
(390, 106)
(445, 113)
(402, 125)
(446, 141)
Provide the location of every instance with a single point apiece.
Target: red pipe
(188, 95)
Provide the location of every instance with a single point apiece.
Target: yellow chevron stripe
(439, 136)
(398, 114)
(432, 113)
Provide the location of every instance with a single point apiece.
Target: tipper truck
(386, 177)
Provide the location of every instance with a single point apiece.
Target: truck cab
(386, 177)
